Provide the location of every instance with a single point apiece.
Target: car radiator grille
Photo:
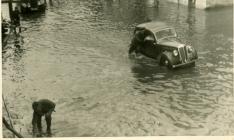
(183, 54)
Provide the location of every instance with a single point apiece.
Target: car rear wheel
(132, 49)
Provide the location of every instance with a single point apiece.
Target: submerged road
(76, 54)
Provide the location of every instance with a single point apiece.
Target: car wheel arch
(166, 56)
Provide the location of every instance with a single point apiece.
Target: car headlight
(190, 49)
(175, 53)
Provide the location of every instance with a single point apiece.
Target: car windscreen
(165, 33)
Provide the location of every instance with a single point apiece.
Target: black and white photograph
(117, 68)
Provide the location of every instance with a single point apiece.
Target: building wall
(213, 3)
(202, 4)
(184, 2)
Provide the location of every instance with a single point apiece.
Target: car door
(149, 45)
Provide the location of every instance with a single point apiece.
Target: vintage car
(159, 41)
(29, 6)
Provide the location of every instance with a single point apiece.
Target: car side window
(149, 37)
(139, 34)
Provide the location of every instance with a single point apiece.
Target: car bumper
(183, 64)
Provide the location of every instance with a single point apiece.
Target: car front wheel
(165, 62)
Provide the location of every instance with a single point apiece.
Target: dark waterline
(76, 55)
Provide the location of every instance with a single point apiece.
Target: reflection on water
(76, 55)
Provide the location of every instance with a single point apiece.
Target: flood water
(76, 54)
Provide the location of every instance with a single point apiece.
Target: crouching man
(41, 108)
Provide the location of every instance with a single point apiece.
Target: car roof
(153, 26)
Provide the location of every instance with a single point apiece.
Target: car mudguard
(195, 54)
(167, 55)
